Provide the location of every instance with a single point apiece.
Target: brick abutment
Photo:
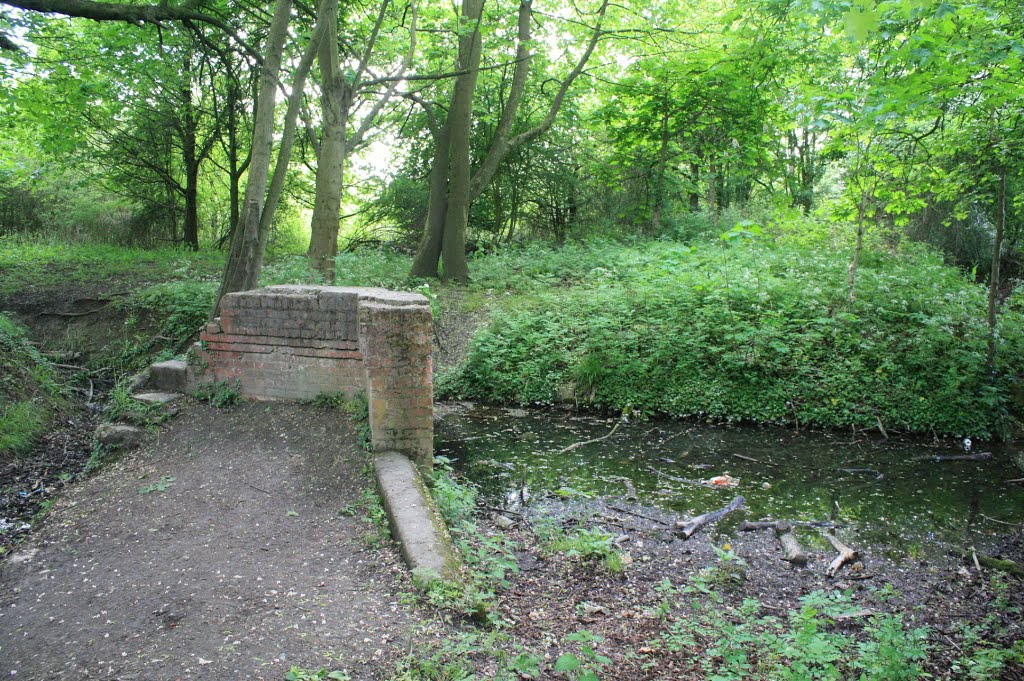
(299, 342)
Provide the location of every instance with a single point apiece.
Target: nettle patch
(762, 332)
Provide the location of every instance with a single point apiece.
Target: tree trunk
(459, 123)
(448, 221)
(695, 189)
(428, 255)
(191, 235)
(335, 99)
(242, 270)
(659, 175)
(235, 174)
(852, 274)
(190, 159)
(993, 279)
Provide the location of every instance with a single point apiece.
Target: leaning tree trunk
(242, 271)
(459, 123)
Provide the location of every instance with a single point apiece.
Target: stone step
(157, 398)
(170, 376)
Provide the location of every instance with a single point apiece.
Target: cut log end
(792, 553)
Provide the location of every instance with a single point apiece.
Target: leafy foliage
(220, 394)
(756, 327)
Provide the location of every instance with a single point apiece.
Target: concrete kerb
(416, 524)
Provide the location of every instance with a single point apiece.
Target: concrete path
(218, 552)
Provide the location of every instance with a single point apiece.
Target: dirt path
(239, 569)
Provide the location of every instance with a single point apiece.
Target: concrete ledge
(415, 522)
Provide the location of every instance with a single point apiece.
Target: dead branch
(749, 526)
(67, 314)
(619, 509)
(576, 445)
(980, 456)
(752, 459)
(846, 555)
(675, 478)
(688, 528)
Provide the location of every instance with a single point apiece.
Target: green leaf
(566, 663)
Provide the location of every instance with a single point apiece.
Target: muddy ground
(218, 552)
(554, 595)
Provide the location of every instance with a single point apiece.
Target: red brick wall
(297, 342)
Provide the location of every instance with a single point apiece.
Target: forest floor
(669, 608)
(229, 548)
(218, 552)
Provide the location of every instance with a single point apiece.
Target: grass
(30, 394)
(31, 262)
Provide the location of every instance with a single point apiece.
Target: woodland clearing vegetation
(756, 326)
(751, 323)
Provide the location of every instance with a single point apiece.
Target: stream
(893, 496)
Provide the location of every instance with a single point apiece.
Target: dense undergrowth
(754, 328)
(752, 325)
(29, 392)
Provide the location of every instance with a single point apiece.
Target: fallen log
(980, 456)
(791, 551)
(1002, 564)
(688, 528)
(846, 555)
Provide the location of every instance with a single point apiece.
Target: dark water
(904, 506)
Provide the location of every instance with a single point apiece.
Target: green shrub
(754, 328)
(220, 394)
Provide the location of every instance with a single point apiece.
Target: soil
(30, 483)
(217, 552)
(554, 596)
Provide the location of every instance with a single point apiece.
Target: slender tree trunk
(459, 122)
(712, 197)
(695, 190)
(993, 279)
(191, 160)
(499, 214)
(428, 255)
(852, 272)
(659, 176)
(335, 98)
(242, 270)
(191, 235)
(235, 174)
